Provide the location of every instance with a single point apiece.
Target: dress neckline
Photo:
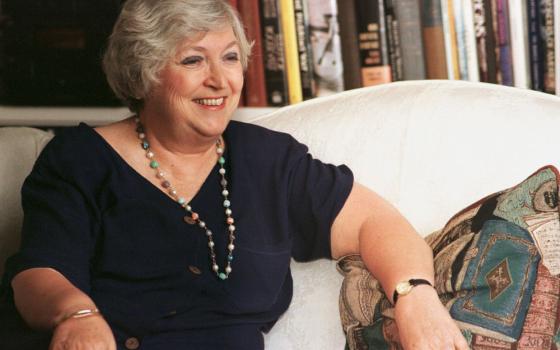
(161, 192)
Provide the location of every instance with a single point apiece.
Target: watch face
(403, 288)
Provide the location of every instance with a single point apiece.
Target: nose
(215, 77)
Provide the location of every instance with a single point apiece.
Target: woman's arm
(394, 252)
(44, 298)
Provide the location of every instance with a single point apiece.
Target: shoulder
(254, 138)
(73, 151)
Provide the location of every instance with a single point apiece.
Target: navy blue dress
(124, 242)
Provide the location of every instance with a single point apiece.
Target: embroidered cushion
(497, 266)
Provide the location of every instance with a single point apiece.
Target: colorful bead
(154, 164)
(222, 276)
(230, 221)
(230, 258)
(194, 216)
(181, 200)
(227, 203)
(221, 160)
(145, 144)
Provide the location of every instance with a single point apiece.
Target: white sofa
(429, 147)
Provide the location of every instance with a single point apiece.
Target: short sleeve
(317, 193)
(59, 223)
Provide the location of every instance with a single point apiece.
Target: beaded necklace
(192, 217)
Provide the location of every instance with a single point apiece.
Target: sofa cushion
(496, 265)
(20, 147)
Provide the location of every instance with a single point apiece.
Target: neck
(175, 138)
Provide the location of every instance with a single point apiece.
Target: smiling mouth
(210, 101)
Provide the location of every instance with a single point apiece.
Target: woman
(173, 229)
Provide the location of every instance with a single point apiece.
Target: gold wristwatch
(404, 287)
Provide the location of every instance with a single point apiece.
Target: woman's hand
(87, 333)
(424, 323)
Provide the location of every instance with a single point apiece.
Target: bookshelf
(94, 116)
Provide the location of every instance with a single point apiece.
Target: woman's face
(201, 85)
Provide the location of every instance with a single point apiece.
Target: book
(393, 42)
(548, 43)
(326, 46)
(504, 71)
(460, 37)
(305, 54)
(450, 39)
(372, 40)
(519, 44)
(470, 41)
(349, 36)
(410, 29)
(433, 39)
(535, 45)
(557, 47)
(483, 26)
(291, 56)
(273, 54)
(255, 85)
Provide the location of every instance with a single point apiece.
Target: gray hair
(148, 32)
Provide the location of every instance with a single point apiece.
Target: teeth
(210, 101)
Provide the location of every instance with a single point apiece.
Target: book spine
(326, 47)
(255, 85)
(557, 46)
(535, 50)
(503, 43)
(291, 56)
(460, 37)
(407, 13)
(374, 63)
(433, 39)
(470, 41)
(393, 42)
(349, 36)
(519, 45)
(304, 49)
(273, 50)
(547, 37)
(484, 41)
(449, 37)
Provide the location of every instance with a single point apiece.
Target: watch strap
(413, 282)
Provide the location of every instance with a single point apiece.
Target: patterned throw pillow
(497, 265)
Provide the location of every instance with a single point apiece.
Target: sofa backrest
(19, 147)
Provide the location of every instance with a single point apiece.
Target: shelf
(69, 116)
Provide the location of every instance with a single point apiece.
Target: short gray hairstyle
(148, 32)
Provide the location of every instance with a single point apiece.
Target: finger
(461, 343)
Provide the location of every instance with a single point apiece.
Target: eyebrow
(201, 48)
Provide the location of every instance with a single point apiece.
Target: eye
(192, 60)
(232, 57)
